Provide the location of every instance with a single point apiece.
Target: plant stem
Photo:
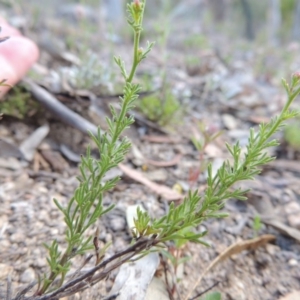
(136, 43)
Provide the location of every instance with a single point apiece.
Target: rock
(17, 237)
(272, 249)
(293, 262)
(157, 175)
(237, 290)
(27, 276)
(117, 223)
(229, 121)
(157, 290)
(292, 210)
(5, 270)
(10, 163)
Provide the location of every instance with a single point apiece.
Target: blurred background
(271, 26)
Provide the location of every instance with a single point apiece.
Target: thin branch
(205, 291)
(89, 278)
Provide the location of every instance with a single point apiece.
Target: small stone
(292, 210)
(4, 244)
(17, 237)
(272, 249)
(39, 263)
(3, 223)
(293, 262)
(10, 163)
(292, 207)
(229, 121)
(157, 175)
(54, 231)
(117, 223)
(294, 220)
(5, 270)
(27, 276)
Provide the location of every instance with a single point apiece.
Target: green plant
(17, 103)
(160, 107)
(257, 224)
(196, 41)
(86, 206)
(175, 254)
(91, 73)
(192, 60)
(291, 134)
(150, 234)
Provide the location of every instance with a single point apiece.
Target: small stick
(59, 110)
(205, 291)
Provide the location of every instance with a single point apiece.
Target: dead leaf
(161, 190)
(234, 249)
(158, 175)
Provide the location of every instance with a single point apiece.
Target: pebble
(27, 276)
(39, 263)
(117, 223)
(293, 262)
(157, 175)
(54, 231)
(4, 244)
(229, 121)
(10, 163)
(17, 237)
(272, 249)
(292, 210)
(5, 270)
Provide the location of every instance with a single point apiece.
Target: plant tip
(296, 77)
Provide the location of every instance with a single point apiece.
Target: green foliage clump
(196, 41)
(160, 108)
(257, 225)
(292, 134)
(17, 103)
(288, 8)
